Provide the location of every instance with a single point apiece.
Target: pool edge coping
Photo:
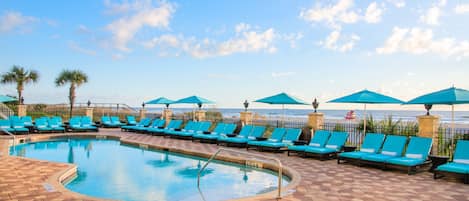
(57, 180)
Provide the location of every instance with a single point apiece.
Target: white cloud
(461, 9)
(125, 6)
(431, 17)
(15, 21)
(75, 47)
(282, 74)
(242, 27)
(117, 56)
(334, 41)
(420, 41)
(342, 12)
(243, 42)
(397, 3)
(333, 15)
(125, 28)
(292, 38)
(373, 13)
(166, 40)
(83, 29)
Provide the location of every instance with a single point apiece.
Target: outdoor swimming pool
(108, 169)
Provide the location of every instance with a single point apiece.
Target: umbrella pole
(364, 125)
(283, 117)
(452, 131)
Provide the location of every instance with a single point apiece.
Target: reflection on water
(107, 169)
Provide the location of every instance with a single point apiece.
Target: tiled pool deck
(25, 179)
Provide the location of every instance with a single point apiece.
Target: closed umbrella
(367, 97)
(194, 100)
(450, 96)
(282, 99)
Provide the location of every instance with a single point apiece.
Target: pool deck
(26, 179)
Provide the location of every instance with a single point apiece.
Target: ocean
(460, 117)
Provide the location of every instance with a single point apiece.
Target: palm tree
(75, 78)
(21, 77)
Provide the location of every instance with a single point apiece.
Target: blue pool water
(107, 169)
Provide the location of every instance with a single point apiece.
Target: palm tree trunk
(19, 88)
(71, 97)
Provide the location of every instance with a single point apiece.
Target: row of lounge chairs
(388, 151)
(384, 151)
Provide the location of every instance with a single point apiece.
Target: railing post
(428, 127)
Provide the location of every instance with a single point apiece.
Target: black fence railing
(446, 138)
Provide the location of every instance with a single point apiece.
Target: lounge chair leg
(466, 179)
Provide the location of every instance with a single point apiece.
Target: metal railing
(5, 111)
(280, 167)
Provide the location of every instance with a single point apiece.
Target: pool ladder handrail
(280, 167)
(11, 134)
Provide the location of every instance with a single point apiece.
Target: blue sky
(229, 51)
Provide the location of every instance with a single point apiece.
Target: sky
(231, 51)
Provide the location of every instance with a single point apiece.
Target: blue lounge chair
(371, 145)
(131, 120)
(333, 146)
(189, 127)
(157, 123)
(416, 155)
(319, 140)
(28, 121)
(392, 148)
(143, 123)
(212, 137)
(106, 122)
(291, 135)
(116, 121)
(203, 127)
(172, 125)
(83, 123)
(6, 125)
(220, 128)
(242, 140)
(58, 119)
(245, 132)
(19, 127)
(55, 126)
(276, 136)
(42, 125)
(459, 165)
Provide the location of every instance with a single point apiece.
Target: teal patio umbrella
(367, 97)
(160, 101)
(4, 99)
(450, 96)
(282, 99)
(194, 100)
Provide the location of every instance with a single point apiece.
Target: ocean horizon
(460, 117)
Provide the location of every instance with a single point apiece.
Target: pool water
(108, 169)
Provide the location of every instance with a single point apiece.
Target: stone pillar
(316, 121)
(428, 127)
(167, 114)
(22, 110)
(245, 117)
(200, 115)
(142, 114)
(89, 112)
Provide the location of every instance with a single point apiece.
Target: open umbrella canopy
(4, 98)
(194, 100)
(160, 100)
(282, 99)
(367, 97)
(450, 96)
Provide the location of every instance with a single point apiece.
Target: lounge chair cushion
(406, 161)
(320, 150)
(463, 161)
(380, 158)
(454, 167)
(298, 147)
(353, 155)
